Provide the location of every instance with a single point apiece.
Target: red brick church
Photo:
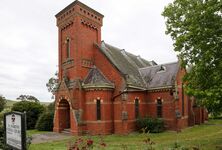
(103, 89)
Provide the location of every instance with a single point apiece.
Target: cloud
(28, 39)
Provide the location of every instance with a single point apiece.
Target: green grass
(9, 103)
(207, 137)
(31, 132)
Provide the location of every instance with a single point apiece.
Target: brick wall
(105, 124)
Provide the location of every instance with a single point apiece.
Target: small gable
(95, 78)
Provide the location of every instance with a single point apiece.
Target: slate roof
(127, 63)
(95, 78)
(160, 76)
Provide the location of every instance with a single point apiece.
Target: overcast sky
(28, 38)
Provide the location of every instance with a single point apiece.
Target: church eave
(135, 87)
(94, 86)
(160, 88)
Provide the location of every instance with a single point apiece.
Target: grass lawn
(9, 103)
(31, 132)
(207, 137)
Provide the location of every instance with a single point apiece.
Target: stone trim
(89, 24)
(80, 4)
(94, 87)
(81, 9)
(99, 121)
(87, 63)
(64, 98)
(93, 103)
(69, 63)
(160, 89)
(144, 103)
(120, 121)
(57, 108)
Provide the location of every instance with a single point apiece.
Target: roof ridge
(124, 50)
(158, 65)
(124, 64)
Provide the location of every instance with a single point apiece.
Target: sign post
(15, 130)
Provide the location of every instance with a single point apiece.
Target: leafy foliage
(87, 143)
(2, 102)
(195, 27)
(51, 107)
(2, 144)
(150, 125)
(32, 109)
(28, 98)
(52, 83)
(45, 122)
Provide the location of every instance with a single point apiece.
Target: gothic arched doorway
(64, 114)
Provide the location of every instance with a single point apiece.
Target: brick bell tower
(79, 28)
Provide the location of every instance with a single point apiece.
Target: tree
(51, 107)
(52, 83)
(28, 98)
(2, 102)
(32, 109)
(45, 121)
(195, 27)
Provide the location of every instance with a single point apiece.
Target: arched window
(67, 47)
(136, 108)
(98, 109)
(159, 108)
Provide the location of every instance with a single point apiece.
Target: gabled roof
(95, 78)
(160, 76)
(127, 63)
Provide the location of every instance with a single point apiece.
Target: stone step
(67, 131)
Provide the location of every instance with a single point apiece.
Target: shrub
(150, 125)
(32, 109)
(45, 122)
(2, 144)
(51, 107)
(2, 103)
(1, 137)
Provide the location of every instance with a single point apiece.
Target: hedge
(152, 125)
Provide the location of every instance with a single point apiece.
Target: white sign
(14, 130)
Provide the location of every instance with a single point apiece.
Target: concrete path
(49, 137)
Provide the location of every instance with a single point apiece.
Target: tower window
(136, 108)
(98, 110)
(67, 47)
(159, 108)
